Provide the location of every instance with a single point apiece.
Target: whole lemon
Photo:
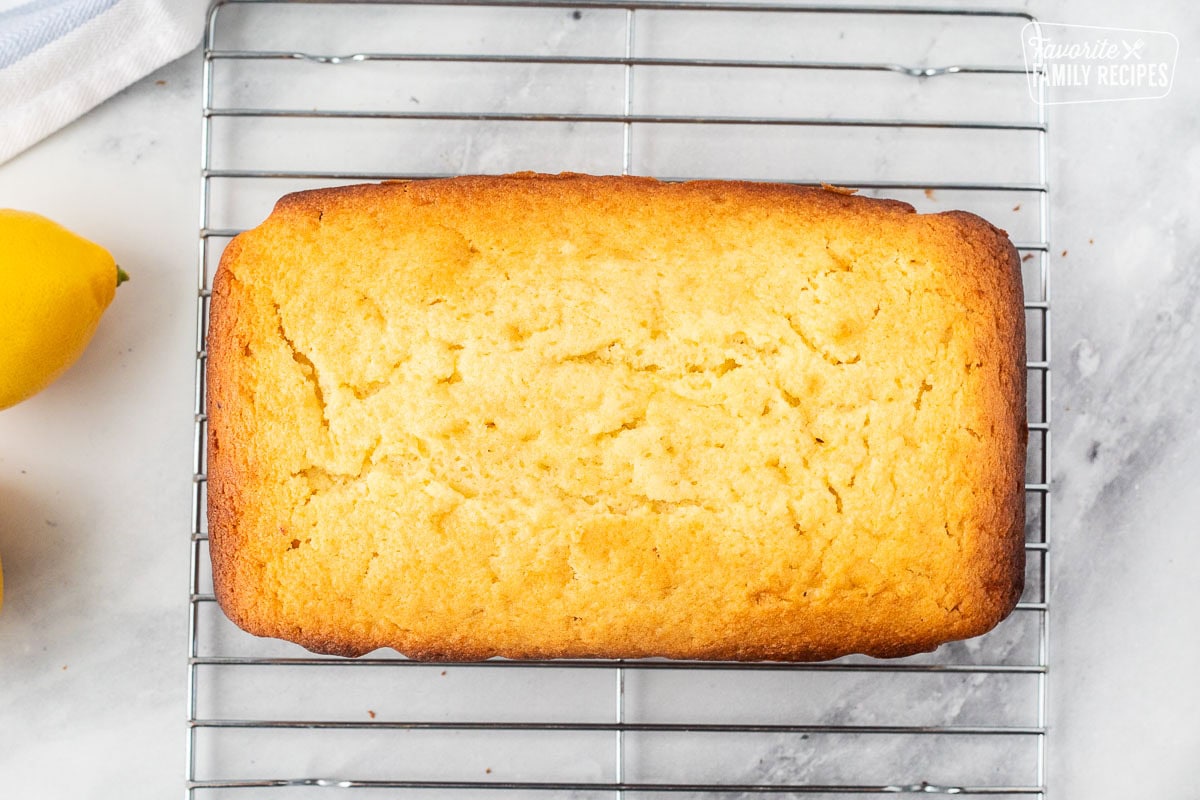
(54, 285)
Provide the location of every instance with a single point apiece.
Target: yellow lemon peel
(54, 286)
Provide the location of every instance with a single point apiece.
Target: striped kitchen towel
(61, 58)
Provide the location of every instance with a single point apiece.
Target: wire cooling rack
(928, 105)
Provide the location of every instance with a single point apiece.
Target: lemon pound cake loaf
(543, 416)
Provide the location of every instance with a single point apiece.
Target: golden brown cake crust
(542, 416)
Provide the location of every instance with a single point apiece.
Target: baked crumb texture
(568, 416)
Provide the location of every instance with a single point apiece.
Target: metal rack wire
(935, 112)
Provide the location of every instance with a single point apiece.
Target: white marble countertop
(94, 472)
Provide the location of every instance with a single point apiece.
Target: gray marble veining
(94, 492)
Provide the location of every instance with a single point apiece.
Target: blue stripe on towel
(30, 27)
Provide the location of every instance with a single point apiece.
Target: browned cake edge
(998, 289)
(995, 282)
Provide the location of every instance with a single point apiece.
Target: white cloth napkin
(61, 58)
